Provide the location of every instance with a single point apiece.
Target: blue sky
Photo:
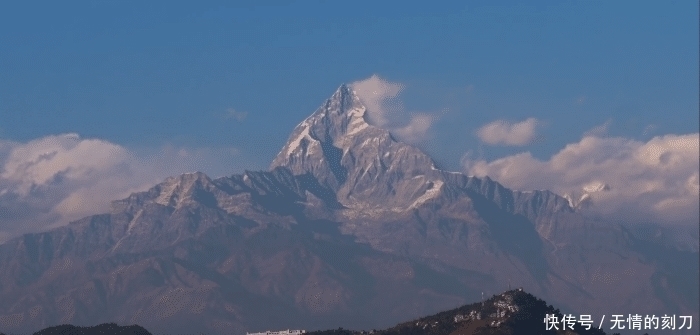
(223, 85)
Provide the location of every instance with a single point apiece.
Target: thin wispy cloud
(501, 132)
(649, 129)
(232, 114)
(385, 109)
(600, 130)
(416, 129)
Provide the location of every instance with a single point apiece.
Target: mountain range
(348, 228)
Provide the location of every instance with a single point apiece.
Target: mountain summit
(363, 164)
(348, 228)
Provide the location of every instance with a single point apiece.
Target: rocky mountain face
(349, 228)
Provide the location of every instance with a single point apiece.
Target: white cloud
(232, 114)
(648, 181)
(416, 129)
(50, 181)
(42, 161)
(380, 98)
(385, 110)
(501, 132)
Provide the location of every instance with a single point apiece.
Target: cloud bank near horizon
(50, 181)
(628, 180)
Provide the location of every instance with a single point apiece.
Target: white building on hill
(281, 332)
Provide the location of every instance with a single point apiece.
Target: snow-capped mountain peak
(338, 146)
(340, 116)
(582, 198)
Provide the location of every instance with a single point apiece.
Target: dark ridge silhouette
(513, 312)
(103, 329)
